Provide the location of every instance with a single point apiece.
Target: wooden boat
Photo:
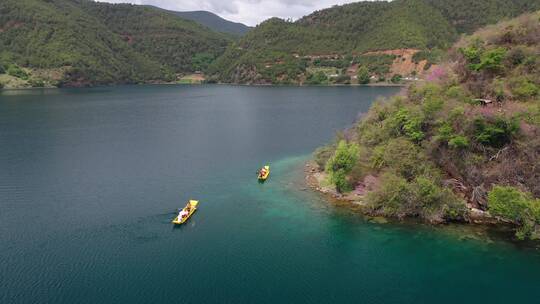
(190, 208)
(264, 176)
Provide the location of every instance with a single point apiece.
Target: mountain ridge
(214, 22)
(353, 29)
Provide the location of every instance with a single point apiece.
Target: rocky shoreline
(315, 179)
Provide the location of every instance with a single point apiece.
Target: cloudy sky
(250, 12)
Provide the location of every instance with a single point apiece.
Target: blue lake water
(91, 178)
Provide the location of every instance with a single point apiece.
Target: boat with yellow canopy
(186, 213)
(264, 173)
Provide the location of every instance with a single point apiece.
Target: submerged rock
(379, 220)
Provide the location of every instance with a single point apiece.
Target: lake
(91, 178)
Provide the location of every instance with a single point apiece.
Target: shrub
(396, 78)
(432, 105)
(445, 132)
(363, 75)
(531, 64)
(508, 202)
(418, 93)
(16, 71)
(512, 204)
(393, 194)
(478, 58)
(422, 196)
(2, 69)
(339, 179)
(322, 155)
(426, 192)
(473, 52)
(516, 56)
(457, 114)
(498, 89)
(402, 157)
(409, 124)
(523, 88)
(317, 78)
(490, 60)
(458, 93)
(36, 83)
(436, 201)
(429, 96)
(341, 163)
(497, 133)
(458, 142)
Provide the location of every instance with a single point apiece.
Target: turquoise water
(90, 180)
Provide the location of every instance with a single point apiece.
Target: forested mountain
(180, 44)
(278, 51)
(215, 22)
(80, 42)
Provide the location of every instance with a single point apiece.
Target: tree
(317, 78)
(363, 75)
(520, 207)
(495, 133)
(341, 163)
(508, 202)
(201, 61)
(396, 78)
(490, 60)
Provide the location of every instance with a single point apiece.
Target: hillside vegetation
(74, 43)
(159, 35)
(464, 143)
(278, 51)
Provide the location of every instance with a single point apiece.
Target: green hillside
(467, 16)
(463, 146)
(382, 25)
(82, 42)
(75, 43)
(352, 29)
(161, 36)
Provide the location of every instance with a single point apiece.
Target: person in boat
(262, 172)
(183, 214)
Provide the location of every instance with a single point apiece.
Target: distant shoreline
(198, 84)
(320, 85)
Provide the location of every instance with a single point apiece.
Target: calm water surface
(90, 180)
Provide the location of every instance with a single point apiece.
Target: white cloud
(250, 12)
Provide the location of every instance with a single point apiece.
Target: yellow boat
(263, 177)
(190, 208)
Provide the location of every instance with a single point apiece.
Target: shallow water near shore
(91, 178)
